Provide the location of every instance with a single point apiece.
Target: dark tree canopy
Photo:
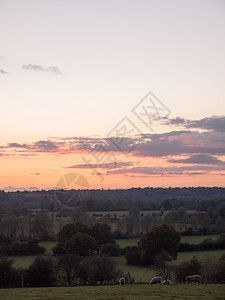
(81, 244)
(102, 233)
(41, 272)
(110, 249)
(160, 244)
(69, 265)
(69, 230)
(7, 273)
(101, 269)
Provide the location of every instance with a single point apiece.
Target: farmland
(140, 274)
(131, 292)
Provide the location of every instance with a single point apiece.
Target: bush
(220, 272)
(110, 250)
(40, 273)
(68, 265)
(124, 251)
(8, 275)
(100, 269)
(81, 244)
(69, 230)
(58, 250)
(4, 240)
(29, 248)
(133, 257)
(189, 231)
(117, 234)
(181, 271)
(186, 268)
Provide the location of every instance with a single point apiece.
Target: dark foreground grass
(131, 292)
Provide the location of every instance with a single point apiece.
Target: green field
(127, 242)
(196, 239)
(140, 274)
(48, 245)
(200, 254)
(131, 292)
(22, 261)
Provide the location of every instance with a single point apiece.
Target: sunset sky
(127, 93)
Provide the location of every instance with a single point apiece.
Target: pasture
(196, 239)
(140, 274)
(115, 292)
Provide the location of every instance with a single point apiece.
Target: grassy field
(131, 292)
(48, 245)
(196, 239)
(127, 242)
(200, 254)
(140, 274)
(144, 274)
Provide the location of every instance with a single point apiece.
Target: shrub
(29, 248)
(133, 257)
(58, 250)
(41, 272)
(81, 244)
(110, 249)
(8, 274)
(69, 230)
(100, 269)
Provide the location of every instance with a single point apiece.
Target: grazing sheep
(156, 280)
(193, 278)
(166, 281)
(122, 281)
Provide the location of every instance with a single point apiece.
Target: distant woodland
(129, 212)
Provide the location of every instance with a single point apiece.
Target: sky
(119, 94)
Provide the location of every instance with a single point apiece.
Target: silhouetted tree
(160, 245)
(110, 249)
(69, 230)
(102, 233)
(81, 244)
(69, 265)
(41, 272)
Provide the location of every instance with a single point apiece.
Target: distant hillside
(120, 199)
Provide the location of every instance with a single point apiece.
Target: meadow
(115, 292)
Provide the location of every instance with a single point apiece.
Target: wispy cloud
(2, 71)
(32, 67)
(110, 165)
(167, 171)
(31, 148)
(199, 159)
